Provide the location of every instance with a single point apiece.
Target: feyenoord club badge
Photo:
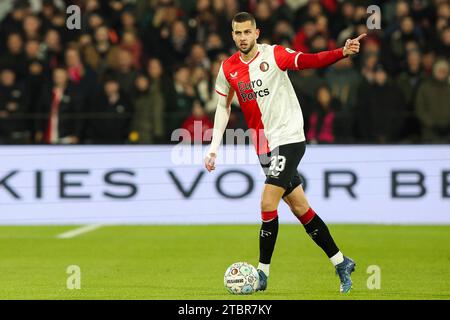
(264, 66)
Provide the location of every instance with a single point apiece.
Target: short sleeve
(286, 59)
(222, 85)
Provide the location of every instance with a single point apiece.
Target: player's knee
(299, 209)
(267, 206)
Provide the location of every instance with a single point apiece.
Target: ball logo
(264, 66)
(236, 281)
(241, 278)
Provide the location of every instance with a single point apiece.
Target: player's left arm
(290, 60)
(221, 118)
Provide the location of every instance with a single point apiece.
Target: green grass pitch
(188, 262)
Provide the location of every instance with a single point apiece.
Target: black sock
(267, 239)
(318, 231)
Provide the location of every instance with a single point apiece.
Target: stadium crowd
(139, 69)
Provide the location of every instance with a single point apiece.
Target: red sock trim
(307, 217)
(267, 216)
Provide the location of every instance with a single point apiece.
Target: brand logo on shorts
(264, 66)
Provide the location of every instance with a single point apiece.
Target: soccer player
(257, 74)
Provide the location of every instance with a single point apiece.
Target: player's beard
(250, 47)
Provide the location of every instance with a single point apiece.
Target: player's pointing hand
(352, 45)
(210, 162)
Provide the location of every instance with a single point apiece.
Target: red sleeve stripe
(222, 94)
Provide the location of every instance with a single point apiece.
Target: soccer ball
(241, 278)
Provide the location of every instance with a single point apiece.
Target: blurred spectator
(409, 82)
(320, 43)
(428, 59)
(380, 109)
(14, 128)
(304, 35)
(47, 14)
(184, 94)
(344, 20)
(443, 15)
(94, 20)
(13, 21)
(34, 58)
(154, 19)
(200, 83)
(114, 10)
(432, 105)
(53, 48)
(124, 71)
(198, 124)
(198, 57)
(92, 8)
(58, 22)
(443, 48)
(131, 43)
(128, 22)
(223, 11)
(323, 27)
(38, 69)
(175, 44)
(33, 53)
(283, 33)
(214, 46)
(369, 62)
(58, 108)
(204, 21)
(150, 100)
(402, 9)
(322, 120)
(31, 27)
(102, 54)
(343, 81)
(83, 78)
(407, 31)
(109, 122)
(14, 57)
(145, 116)
(312, 10)
(264, 19)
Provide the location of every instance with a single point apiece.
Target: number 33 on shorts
(277, 165)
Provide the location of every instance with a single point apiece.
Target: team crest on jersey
(264, 66)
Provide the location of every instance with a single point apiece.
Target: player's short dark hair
(243, 17)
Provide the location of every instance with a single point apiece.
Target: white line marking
(78, 231)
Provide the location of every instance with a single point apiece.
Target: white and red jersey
(265, 93)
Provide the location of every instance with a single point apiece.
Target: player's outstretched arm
(326, 58)
(220, 124)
